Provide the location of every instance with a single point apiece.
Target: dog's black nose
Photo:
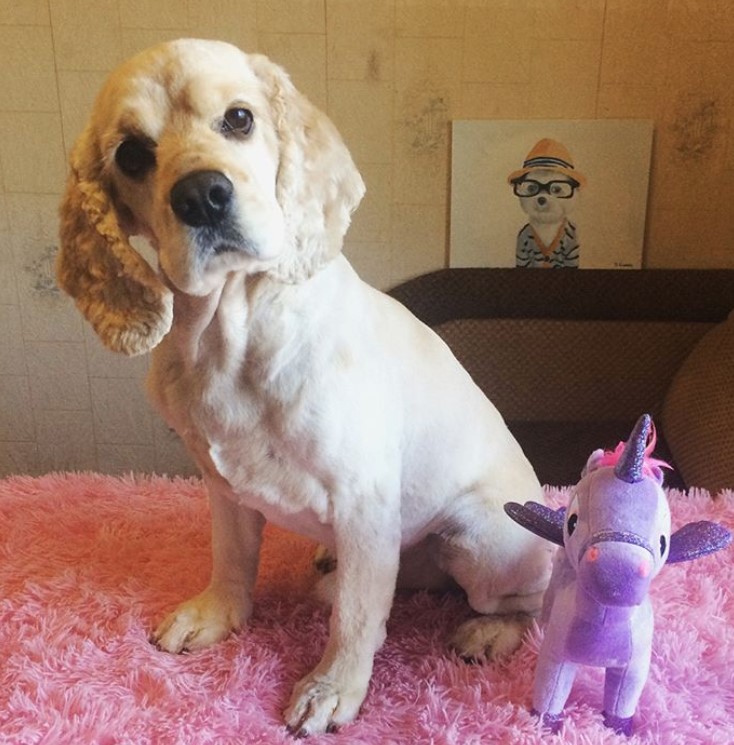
(202, 198)
(542, 201)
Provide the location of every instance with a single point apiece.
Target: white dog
(305, 396)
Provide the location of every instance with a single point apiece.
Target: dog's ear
(318, 186)
(113, 286)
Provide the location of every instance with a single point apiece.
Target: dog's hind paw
(489, 637)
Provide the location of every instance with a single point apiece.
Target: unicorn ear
(593, 462)
(318, 186)
(113, 286)
(657, 474)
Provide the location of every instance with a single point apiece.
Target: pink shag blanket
(89, 564)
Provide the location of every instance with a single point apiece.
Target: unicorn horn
(629, 466)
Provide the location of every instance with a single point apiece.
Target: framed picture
(549, 194)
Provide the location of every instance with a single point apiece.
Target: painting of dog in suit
(581, 188)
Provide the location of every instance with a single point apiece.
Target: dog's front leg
(367, 565)
(225, 605)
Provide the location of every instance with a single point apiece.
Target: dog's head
(546, 196)
(216, 159)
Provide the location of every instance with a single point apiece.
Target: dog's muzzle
(204, 202)
(202, 199)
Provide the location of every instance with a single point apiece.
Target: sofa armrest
(698, 412)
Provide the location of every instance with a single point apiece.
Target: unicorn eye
(663, 545)
(571, 524)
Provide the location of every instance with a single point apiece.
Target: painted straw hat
(550, 155)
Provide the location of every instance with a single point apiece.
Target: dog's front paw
(489, 637)
(200, 622)
(320, 704)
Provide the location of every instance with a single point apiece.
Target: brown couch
(572, 358)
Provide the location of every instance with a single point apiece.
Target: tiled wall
(391, 73)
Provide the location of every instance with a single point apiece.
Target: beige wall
(392, 74)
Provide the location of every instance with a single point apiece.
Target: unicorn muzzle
(617, 568)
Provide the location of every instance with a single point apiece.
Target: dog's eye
(134, 157)
(238, 120)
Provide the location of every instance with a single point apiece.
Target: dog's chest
(263, 452)
(257, 394)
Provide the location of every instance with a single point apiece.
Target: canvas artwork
(551, 194)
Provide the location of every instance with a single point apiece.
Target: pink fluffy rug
(88, 565)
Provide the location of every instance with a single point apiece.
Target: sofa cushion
(568, 387)
(538, 369)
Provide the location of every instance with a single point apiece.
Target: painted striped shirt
(563, 252)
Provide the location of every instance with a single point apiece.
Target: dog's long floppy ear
(113, 286)
(318, 185)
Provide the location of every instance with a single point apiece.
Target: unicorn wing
(695, 540)
(539, 519)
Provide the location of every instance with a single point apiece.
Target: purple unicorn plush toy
(615, 537)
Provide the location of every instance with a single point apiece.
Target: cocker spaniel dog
(305, 396)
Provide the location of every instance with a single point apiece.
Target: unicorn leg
(553, 681)
(622, 689)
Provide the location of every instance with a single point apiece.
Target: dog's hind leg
(504, 571)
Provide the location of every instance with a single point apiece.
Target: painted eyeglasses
(530, 188)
